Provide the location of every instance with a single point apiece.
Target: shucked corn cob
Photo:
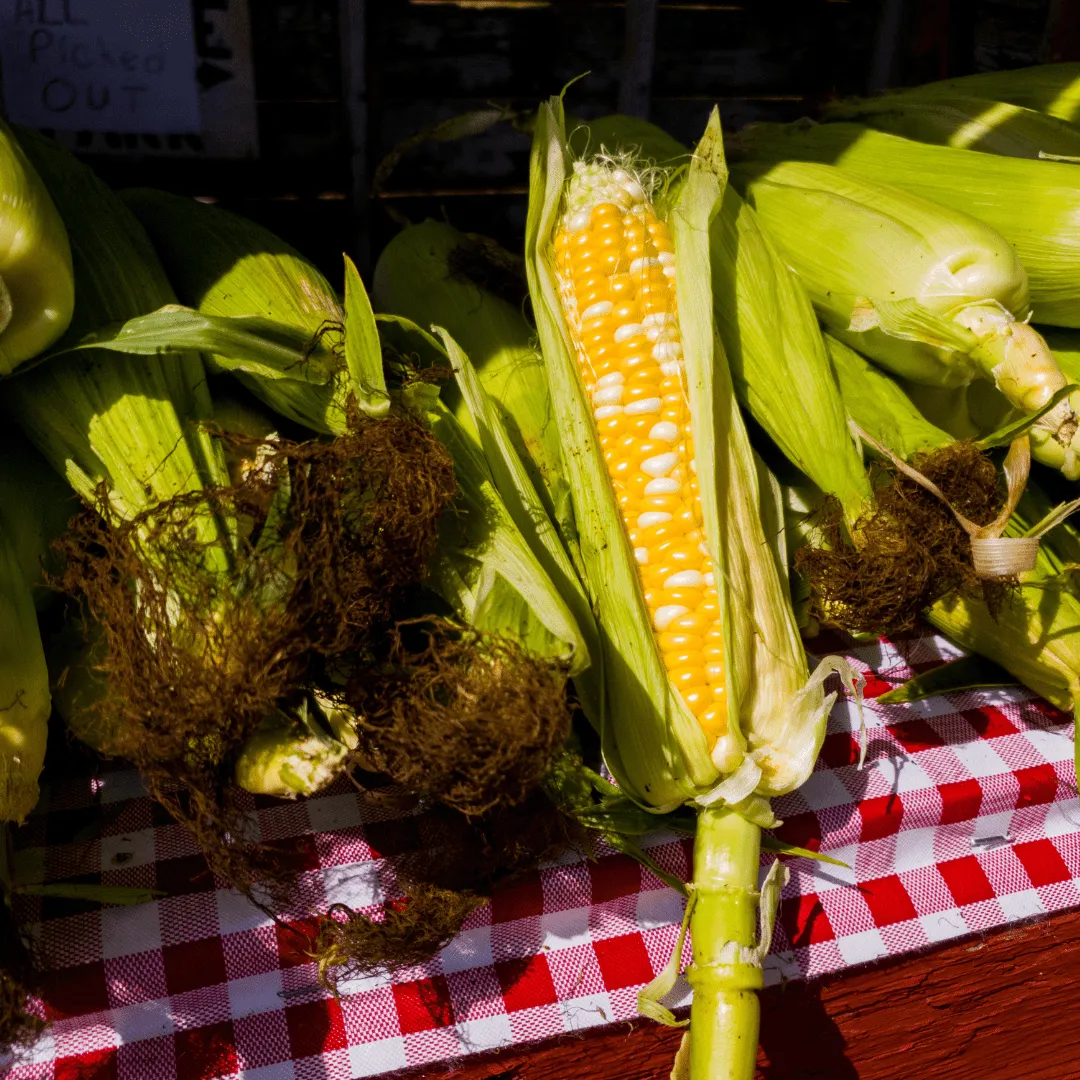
(729, 642)
(616, 265)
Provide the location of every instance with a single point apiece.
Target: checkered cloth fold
(965, 818)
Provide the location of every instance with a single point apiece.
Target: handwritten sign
(100, 65)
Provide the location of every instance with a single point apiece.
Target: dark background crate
(340, 83)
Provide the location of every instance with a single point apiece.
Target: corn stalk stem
(725, 1014)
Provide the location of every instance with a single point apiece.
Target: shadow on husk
(910, 551)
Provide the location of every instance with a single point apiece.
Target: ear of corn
(925, 291)
(131, 424)
(967, 123)
(423, 274)
(1053, 89)
(224, 265)
(603, 272)
(1034, 205)
(35, 508)
(36, 282)
(779, 367)
(24, 691)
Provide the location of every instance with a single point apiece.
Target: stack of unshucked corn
(390, 542)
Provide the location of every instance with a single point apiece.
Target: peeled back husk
(927, 292)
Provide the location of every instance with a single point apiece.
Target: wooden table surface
(1002, 1006)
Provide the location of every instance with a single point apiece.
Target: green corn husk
(779, 365)
(966, 123)
(36, 281)
(1034, 205)
(879, 406)
(225, 265)
(652, 743)
(927, 292)
(35, 508)
(423, 274)
(130, 424)
(1053, 89)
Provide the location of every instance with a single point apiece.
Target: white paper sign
(100, 65)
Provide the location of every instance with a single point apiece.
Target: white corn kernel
(607, 410)
(652, 517)
(685, 579)
(613, 379)
(664, 431)
(667, 614)
(641, 556)
(710, 580)
(658, 318)
(693, 466)
(660, 464)
(578, 221)
(597, 310)
(666, 350)
(643, 263)
(644, 405)
(627, 330)
(670, 368)
(669, 271)
(667, 258)
(609, 395)
(664, 485)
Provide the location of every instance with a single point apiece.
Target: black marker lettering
(43, 15)
(133, 96)
(97, 106)
(40, 40)
(24, 9)
(58, 95)
(69, 18)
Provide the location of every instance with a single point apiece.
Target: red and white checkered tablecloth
(965, 818)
